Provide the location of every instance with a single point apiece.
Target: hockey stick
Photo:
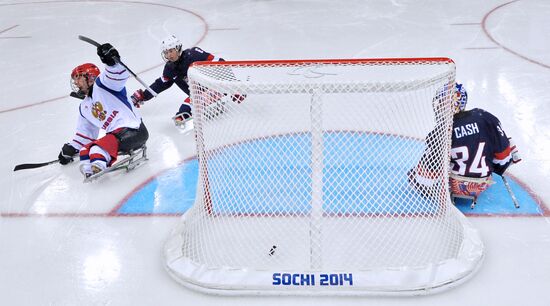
(512, 195)
(95, 43)
(32, 166)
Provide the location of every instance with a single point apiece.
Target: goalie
(479, 147)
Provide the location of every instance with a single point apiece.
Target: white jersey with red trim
(107, 108)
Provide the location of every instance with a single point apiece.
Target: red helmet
(88, 70)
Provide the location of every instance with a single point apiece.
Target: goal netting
(304, 170)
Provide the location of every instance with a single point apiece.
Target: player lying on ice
(175, 71)
(104, 106)
(479, 147)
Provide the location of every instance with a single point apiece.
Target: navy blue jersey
(176, 72)
(479, 144)
(479, 147)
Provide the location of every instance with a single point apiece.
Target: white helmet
(170, 42)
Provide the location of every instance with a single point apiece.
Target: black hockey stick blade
(32, 166)
(89, 40)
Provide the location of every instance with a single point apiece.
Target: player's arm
(506, 153)
(197, 54)
(158, 86)
(501, 161)
(114, 75)
(85, 133)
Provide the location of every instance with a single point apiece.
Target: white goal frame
(259, 236)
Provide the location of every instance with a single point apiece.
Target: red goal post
(303, 180)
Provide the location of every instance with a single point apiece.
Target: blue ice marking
(172, 192)
(350, 174)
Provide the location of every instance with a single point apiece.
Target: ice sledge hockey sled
(185, 126)
(133, 160)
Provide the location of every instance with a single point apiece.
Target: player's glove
(515, 155)
(66, 154)
(138, 98)
(108, 54)
(516, 158)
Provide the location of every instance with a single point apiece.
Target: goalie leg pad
(469, 187)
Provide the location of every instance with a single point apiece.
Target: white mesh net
(304, 180)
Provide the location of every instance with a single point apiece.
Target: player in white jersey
(104, 106)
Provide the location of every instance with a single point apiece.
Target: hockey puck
(272, 250)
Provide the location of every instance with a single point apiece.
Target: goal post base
(398, 281)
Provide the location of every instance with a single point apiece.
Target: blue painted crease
(173, 192)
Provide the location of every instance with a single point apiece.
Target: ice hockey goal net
(303, 180)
